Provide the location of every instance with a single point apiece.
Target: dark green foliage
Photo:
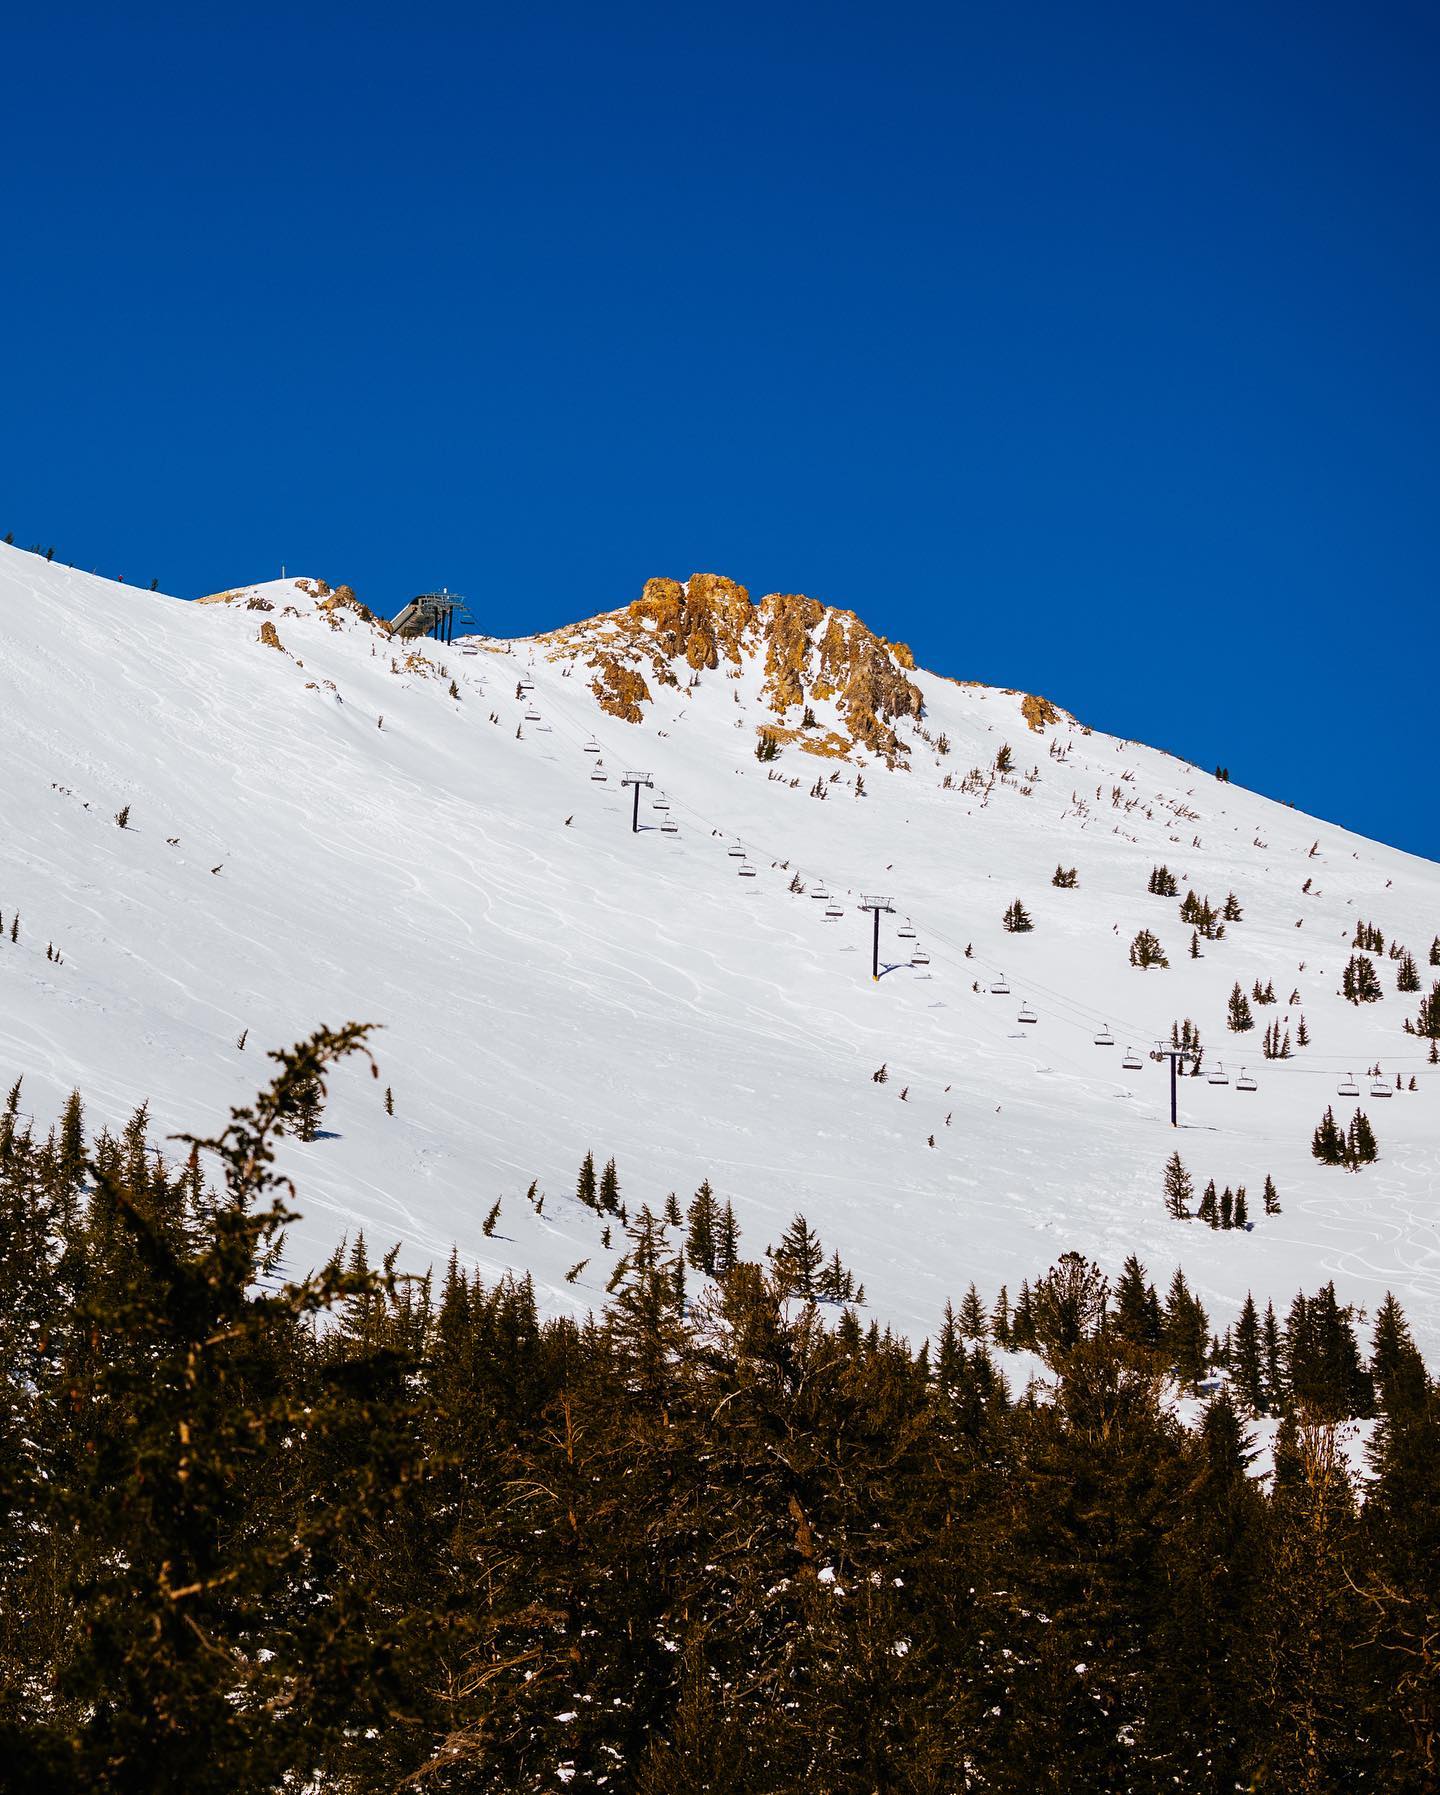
(1426, 1023)
(1271, 1196)
(1360, 982)
(1238, 1014)
(1178, 1189)
(1360, 1144)
(1327, 1144)
(1435, 951)
(1407, 974)
(1017, 919)
(1146, 951)
(1162, 882)
(122, 817)
(1065, 877)
(609, 1194)
(364, 1533)
(1369, 937)
(767, 747)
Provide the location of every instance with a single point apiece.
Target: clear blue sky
(1092, 349)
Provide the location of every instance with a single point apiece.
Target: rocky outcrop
(808, 650)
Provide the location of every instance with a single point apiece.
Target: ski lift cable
(1064, 1009)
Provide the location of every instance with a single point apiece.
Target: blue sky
(1090, 349)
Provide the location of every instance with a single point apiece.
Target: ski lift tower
(637, 780)
(430, 614)
(878, 907)
(1177, 1056)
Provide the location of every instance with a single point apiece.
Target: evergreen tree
(1146, 951)
(703, 1219)
(1209, 1211)
(1247, 1365)
(1302, 1034)
(1328, 1144)
(1065, 877)
(1407, 977)
(1186, 1338)
(1232, 911)
(1017, 919)
(1271, 1196)
(727, 1243)
(1239, 1015)
(1162, 882)
(609, 1193)
(1137, 1308)
(1360, 1145)
(1000, 1320)
(798, 1259)
(1227, 1208)
(973, 1322)
(1241, 1218)
(1360, 982)
(1178, 1189)
(1427, 1023)
(585, 1183)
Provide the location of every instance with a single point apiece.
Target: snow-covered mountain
(326, 823)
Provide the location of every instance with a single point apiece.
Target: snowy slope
(549, 983)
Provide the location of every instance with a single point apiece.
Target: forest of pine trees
(358, 1532)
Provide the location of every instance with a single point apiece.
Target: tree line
(358, 1531)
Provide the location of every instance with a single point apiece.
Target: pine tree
(1246, 1360)
(1000, 1320)
(1327, 1143)
(1065, 877)
(609, 1194)
(1004, 760)
(1239, 1016)
(1271, 1196)
(1242, 1208)
(727, 1243)
(1209, 1211)
(797, 1259)
(1016, 919)
(585, 1183)
(1146, 951)
(703, 1221)
(1302, 1034)
(673, 1218)
(1162, 882)
(1232, 911)
(1360, 982)
(1435, 951)
(1194, 944)
(972, 1320)
(1178, 1189)
(488, 1226)
(1360, 1145)
(1137, 1308)
(1427, 1023)
(1186, 1332)
(1227, 1208)
(1407, 977)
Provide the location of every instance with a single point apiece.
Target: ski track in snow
(543, 990)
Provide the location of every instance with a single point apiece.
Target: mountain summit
(323, 822)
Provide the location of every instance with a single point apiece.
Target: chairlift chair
(833, 910)
(592, 746)
(737, 852)
(919, 957)
(1000, 988)
(669, 828)
(1104, 1038)
(1026, 1014)
(599, 776)
(1219, 1075)
(1245, 1082)
(1132, 1061)
(661, 804)
(747, 871)
(820, 895)
(1347, 1086)
(532, 716)
(906, 931)
(1381, 1089)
